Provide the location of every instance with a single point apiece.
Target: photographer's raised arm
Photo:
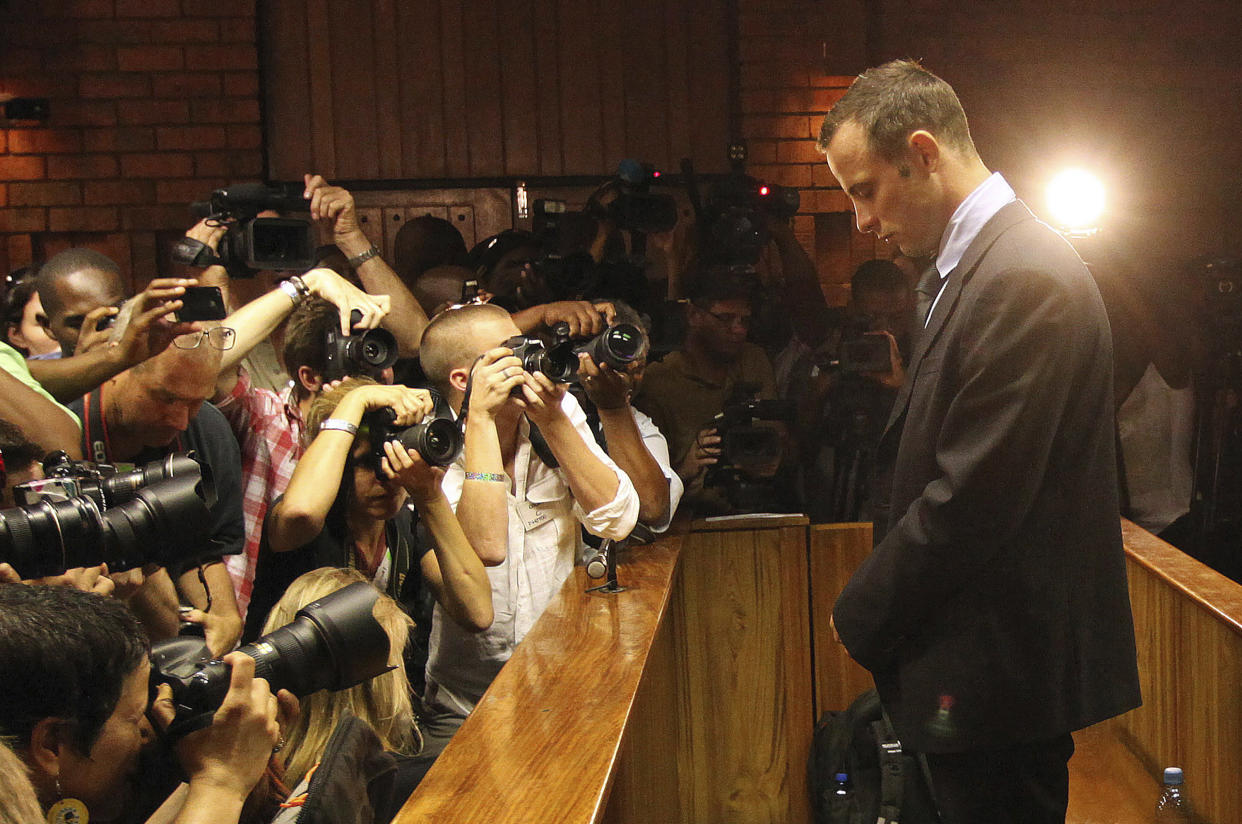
(333, 206)
(44, 421)
(804, 299)
(255, 321)
(585, 318)
(148, 330)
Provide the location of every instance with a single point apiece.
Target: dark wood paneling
(836, 550)
(408, 89)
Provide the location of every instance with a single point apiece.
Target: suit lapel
(1009, 215)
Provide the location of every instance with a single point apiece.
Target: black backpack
(884, 784)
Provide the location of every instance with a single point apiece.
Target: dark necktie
(925, 295)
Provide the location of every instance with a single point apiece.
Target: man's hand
(542, 397)
(91, 337)
(494, 377)
(606, 387)
(704, 453)
(333, 207)
(208, 232)
(87, 579)
(896, 375)
(220, 631)
(150, 329)
(585, 319)
(233, 751)
(335, 289)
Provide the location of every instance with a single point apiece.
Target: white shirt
(544, 541)
(971, 215)
(656, 444)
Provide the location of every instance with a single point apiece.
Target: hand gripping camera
(437, 438)
(333, 644)
(362, 352)
(618, 346)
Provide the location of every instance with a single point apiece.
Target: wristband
(339, 424)
(486, 476)
(361, 258)
(290, 290)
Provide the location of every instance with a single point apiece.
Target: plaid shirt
(269, 429)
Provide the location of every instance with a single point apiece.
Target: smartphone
(202, 303)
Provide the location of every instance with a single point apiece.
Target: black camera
(86, 514)
(253, 243)
(618, 346)
(437, 438)
(333, 644)
(363, 352)
(634, 207)
(745, 442)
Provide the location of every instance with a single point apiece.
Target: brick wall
(784, 95)
(153, 104)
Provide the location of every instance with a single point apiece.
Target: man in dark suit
(993, 613)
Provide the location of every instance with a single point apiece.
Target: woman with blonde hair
(383, 702)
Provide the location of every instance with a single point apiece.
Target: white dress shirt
(971, 215)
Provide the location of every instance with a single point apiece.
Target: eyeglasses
(729, 319)
(218, 337)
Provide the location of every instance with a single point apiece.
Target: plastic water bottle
(1173, 806)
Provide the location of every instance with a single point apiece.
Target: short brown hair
(891, 101)
(305, 332)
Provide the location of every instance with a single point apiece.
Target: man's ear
(310, 380)
(459, 377)
(47, 740)
(924, 150)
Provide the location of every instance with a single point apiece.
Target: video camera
(436, 438)
(732, 219)
(618, 346)
(365, 352)
(745, 443)
(85, 514)
(857, 350)
(253, 243)
(334, 643)
(634, 207)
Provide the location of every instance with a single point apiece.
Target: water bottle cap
(842, 777)
(1173, 775)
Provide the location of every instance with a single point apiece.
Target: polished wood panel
(1188, 624)
(406, 89)
(542, 743)
(743, 696)
(1108, 784)
(836, 550)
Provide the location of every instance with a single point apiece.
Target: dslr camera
(618, 346)
(437, 437)
(747, 446)
(84, 514)
(333, 644)
(252, 242)
(362, 352)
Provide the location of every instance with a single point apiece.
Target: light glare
(1076, 200)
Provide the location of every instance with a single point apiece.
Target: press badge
(533, 515)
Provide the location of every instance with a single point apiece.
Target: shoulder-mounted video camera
(362, 352)
(253, 243)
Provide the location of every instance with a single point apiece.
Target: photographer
(342, 509)
(686, 391)
(147, 412)
(268, 425)
(847, 402)
(74, 701)
(546, 487)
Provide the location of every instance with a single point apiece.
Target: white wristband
(340, 425)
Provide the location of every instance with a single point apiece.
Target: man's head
(505, 267)
(73, 283)
(304, 351)
(155, 401)
(899, 145)
(879, 291)
(76, 713)
(720, 312)
(440, 286)
(23, 460)
(454, 340)
(426, 242)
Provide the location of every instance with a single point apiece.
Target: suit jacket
(995, 609)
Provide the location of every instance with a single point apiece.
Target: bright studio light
(1076, 201)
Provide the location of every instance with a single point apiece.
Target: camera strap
(95, 430)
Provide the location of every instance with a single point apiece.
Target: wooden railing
(691, 696)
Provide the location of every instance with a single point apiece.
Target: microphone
(597, 564)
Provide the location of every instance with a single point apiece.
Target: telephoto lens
(436, 438)
(618, 346)
(333, 644)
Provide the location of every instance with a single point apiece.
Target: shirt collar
(980, 206)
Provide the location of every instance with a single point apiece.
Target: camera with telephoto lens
(334, 643)
(86, 514)
(253, 243)
(437, 437)
(362, 352)
(618, 346)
